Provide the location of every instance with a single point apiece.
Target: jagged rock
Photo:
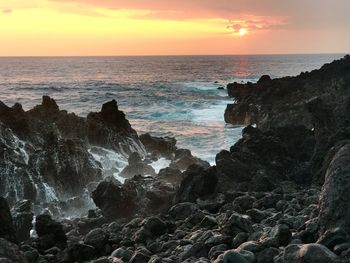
(198, 182)
(184, 159)
(137, 167)
(158, 145)
(7, 230)
(22, 215)
(45, 150)
(335, 194)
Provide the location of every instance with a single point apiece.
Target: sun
(242, 31)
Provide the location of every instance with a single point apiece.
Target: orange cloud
(252, 24)
(7, 11)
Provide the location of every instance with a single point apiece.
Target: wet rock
(7, 230)
(184, 159)
(22, 218)
(137, 167)
(161, 146)
(170, 175)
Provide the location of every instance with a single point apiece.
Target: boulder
(335, 193)
(116, 200)
(97, 238)
(308, 253)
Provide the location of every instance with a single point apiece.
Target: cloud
(252, 24)
(7, 11)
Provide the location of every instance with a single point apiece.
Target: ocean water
(167, 96)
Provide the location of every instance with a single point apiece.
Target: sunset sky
(160, 27)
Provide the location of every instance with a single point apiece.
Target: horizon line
(175, 55)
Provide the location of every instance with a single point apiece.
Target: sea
(175, 96)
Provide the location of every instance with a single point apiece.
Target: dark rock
(50, 233)
(97, 238)
(114, 200)
(137, 167)
(267, 255)
(335, 194)
(333, 237)
(184, 159)
(122, 253)
(7, 230)
(9, 252)
(152, 228)
(47, 152)
(311, 253)
(157, 145)
(235, 223)
(198, 182)
(170, 175)
(183, 210)
(81, 252)
(22, 219)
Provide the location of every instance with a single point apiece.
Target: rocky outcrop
(264, 158)
(282, 102)
(45, 153)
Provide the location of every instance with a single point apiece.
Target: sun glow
(243, 31)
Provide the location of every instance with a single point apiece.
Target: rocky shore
(280, 194)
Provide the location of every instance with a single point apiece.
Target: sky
(173, 27)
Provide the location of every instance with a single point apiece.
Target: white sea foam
(160, 164)
(112, 162)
